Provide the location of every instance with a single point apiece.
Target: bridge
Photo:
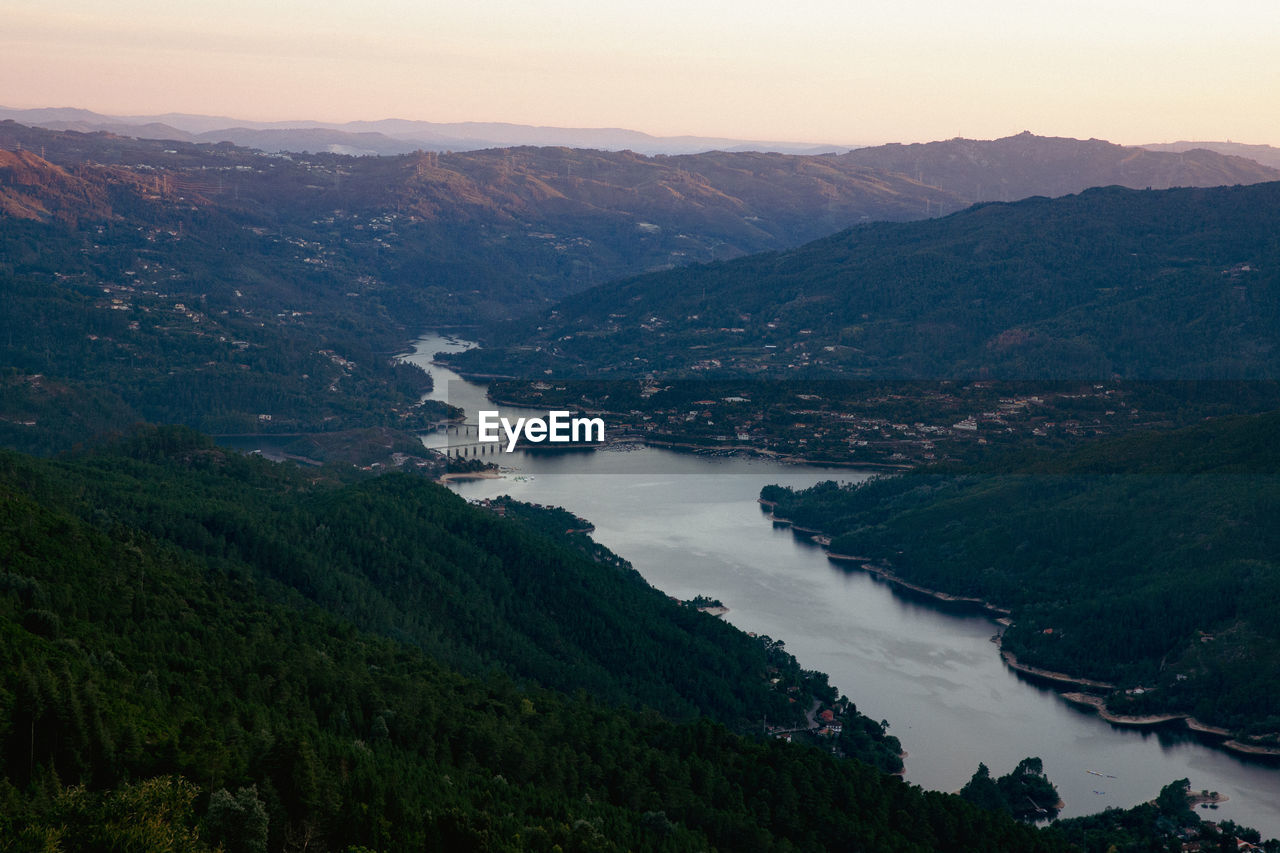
(467, 445)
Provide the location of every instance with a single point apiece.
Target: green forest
(1146, 561)
(204, 649)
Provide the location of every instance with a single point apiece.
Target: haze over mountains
(1267, 155)
(402, 136)
(387, 136)
(1025, 165)
(342, 257)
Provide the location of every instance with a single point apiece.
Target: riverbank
(1099, 705)
(1254, 749)
(632, 433)
(1059, 681)
(1011, 661)
(453, 476)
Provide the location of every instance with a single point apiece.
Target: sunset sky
(811, 70)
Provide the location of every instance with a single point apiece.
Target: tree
(981, 790)
(239, 822)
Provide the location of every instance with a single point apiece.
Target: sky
(828, 71)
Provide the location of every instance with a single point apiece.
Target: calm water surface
(691, 524)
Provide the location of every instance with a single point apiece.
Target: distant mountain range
(483, 235)
(1020, 166)
(977, 170)
(1267, 155)
(509, 227)
(388, 136)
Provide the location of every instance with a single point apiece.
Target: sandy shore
(1250, 748)
(1100, 705)
(1060, 677)
(1197, 726)
(469, 475)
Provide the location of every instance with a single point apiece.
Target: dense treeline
(174, 677)
(1146, 560)
(1026, 792)
(405, 558)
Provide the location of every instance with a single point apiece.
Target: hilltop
(1025, 165)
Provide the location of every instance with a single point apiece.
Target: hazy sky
(839, 71)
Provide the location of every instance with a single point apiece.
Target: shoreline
(888, 576)
(1099, 704)
(1251, 749)
(450, 476)
(1215, 734)
(1012, 662)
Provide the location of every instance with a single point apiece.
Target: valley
(1068, 398)
(690, 524)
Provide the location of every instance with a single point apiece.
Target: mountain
(150, 130)
(1267, 155)
(387, 136)
(319, 139)
(242, 292)
(33, 188)
(1020, 166)
(1169, 284)
(528, 223)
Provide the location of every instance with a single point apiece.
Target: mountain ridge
(1110, 282)
(1024, 165)
(394, 136)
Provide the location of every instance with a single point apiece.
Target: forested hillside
(1144, 561)
(194, 655)
(1175, 284)
(239, 292)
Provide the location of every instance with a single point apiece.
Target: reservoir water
(690, 524)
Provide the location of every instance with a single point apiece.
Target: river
(690, 524)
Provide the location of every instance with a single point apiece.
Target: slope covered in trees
(175, 675)
(480, 234)
(1111, 282)
(239, 292)
(1148, 560)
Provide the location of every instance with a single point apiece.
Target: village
(851, 423)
